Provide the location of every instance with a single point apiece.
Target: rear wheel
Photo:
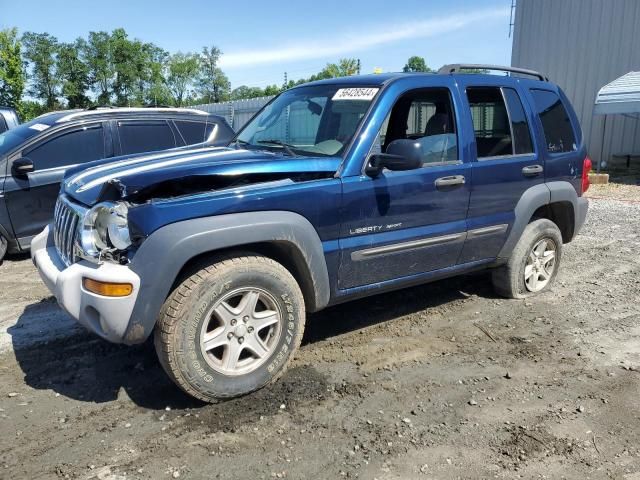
(534, 262)
(230, 328)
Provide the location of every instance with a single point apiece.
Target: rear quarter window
(558, 131)
(193, 131)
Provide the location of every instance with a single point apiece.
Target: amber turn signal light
(107, 289)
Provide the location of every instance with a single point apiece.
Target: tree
(243, 92)
(12, 76)
(74, 73)
(416, 64)
(183, 71)
(155, 87)
(40, 49)
(213, 85)
(344, 68)
(98, 57)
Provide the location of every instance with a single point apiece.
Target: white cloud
(371, 37)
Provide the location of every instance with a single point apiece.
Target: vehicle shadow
(15, 257)
(86, 368)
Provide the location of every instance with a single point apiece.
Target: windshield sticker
(39, 126)
(355, 94)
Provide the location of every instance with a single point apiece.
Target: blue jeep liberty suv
(335, 190)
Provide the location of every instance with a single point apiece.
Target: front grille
(66, 220)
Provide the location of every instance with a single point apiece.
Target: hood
(173, 173)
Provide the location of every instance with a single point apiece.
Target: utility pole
(358, 67)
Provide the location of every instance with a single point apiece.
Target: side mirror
(22, 166)
(401, 155)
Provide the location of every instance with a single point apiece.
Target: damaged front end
(128, 204)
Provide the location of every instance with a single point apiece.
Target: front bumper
(106, 316)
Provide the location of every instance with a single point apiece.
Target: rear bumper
(581, 214)
(106, 316)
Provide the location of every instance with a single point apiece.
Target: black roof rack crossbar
(459, 67)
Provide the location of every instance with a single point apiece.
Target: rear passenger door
(506, 164)
(139, 136)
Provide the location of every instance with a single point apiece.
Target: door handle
(450, 181)
(532, 170)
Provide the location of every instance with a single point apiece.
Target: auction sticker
(39, 127)
(355, 94)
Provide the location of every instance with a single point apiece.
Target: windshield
(309, 121)
(12, 138)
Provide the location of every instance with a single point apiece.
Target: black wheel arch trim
(539, 196)
(162, 256)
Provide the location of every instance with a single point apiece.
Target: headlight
(105, 227)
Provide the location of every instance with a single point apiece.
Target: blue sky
(261, 40)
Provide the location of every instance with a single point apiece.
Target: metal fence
(236, 112)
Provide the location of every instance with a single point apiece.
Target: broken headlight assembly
(105, 230)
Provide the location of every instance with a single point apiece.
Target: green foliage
(41, 50)
(344, 68)
(416, 64)
(110, 68)
(183, 71)
(73, 72)
(212, 84)
(12, 76)
(101, 70)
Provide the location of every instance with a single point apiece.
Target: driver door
(31, 197)
(405, 223)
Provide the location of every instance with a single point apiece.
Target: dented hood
(173, 173)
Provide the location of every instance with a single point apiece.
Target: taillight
(586, 168)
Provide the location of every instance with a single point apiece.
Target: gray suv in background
(8, 119)
(35, 155)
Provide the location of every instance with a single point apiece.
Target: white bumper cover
(105, 316)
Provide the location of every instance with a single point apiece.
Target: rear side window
(145, 136)
(499, 122)
(194, 132)
(558, 131)
(77, 146)
(519, 125)
(490, 122)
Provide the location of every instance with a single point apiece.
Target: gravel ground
(439, 381)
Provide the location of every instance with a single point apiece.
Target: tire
(521, 276)
(3, 247)
(230, 301)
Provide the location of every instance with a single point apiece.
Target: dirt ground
(441, 381)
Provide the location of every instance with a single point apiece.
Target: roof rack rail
(459, 67)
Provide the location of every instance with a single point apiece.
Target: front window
(307, 121)
(15, 137)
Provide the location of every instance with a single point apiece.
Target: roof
(620, 96)
(62, 116)
(380, 79)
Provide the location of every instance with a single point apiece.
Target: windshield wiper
(285, 146)
(239, 142)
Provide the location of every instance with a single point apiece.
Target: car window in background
(558, 131)
(145, 136)
(194, 132)
(78, 146)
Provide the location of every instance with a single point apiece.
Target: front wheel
(230, 328)
(534, 262)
